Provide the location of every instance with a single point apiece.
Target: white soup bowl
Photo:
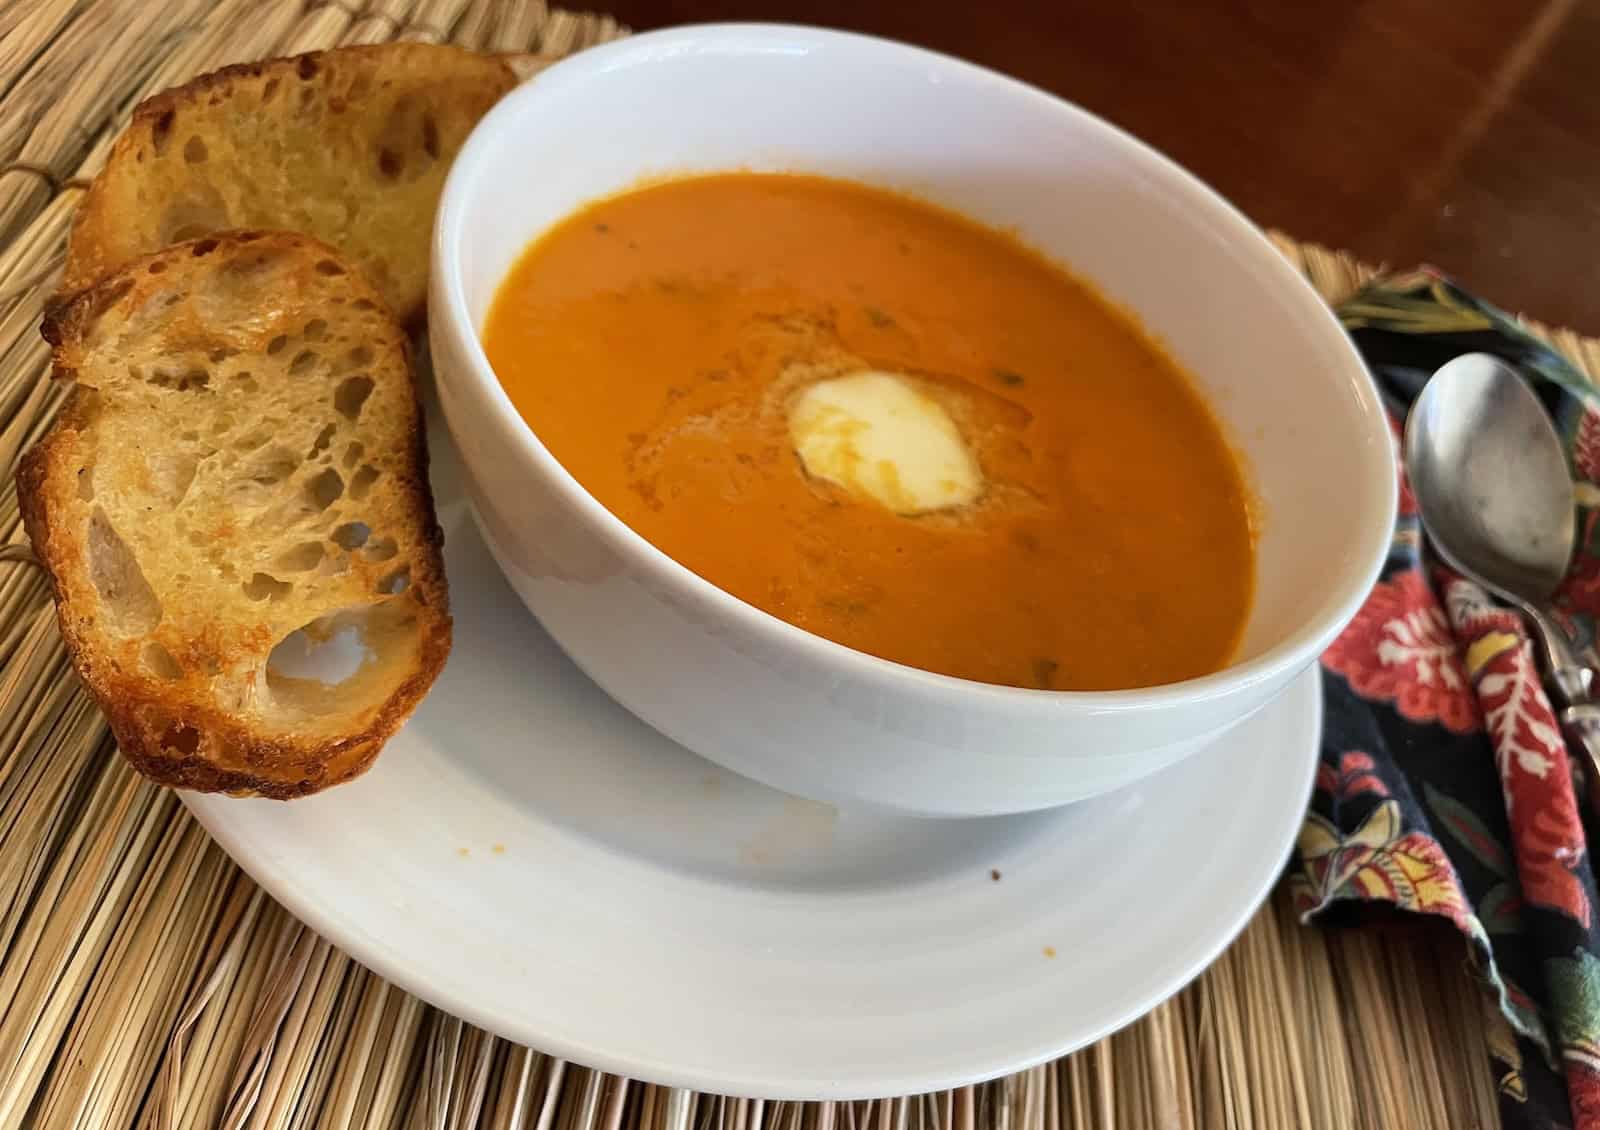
(772, 701)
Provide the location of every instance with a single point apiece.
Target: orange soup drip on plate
(658, 340)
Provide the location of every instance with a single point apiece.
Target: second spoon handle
(1580, 725)
(1570, 684)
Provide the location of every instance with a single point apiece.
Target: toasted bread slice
(239, 475)
(350, 145)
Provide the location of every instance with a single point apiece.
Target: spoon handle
(1572, 680)
(1581, 725)
(1570, 683)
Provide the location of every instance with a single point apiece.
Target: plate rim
(356, 941)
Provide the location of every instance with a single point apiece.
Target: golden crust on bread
(350, 145)
(241, 463)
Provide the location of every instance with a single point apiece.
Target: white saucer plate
(529, 856)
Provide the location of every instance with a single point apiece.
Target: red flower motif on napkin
(1547, 855)
(1526, 740)
(1399, 648)
(1357, 774)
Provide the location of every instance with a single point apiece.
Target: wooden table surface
(1463, 133)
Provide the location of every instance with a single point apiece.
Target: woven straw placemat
(144, 980)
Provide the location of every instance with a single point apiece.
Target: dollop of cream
(878, 436)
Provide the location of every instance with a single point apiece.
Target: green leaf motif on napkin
(1416, 303)
(1424, 304)
(1500, 910)
(1575, 983)
(1468, 830)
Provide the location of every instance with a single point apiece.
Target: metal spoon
(1491, 481)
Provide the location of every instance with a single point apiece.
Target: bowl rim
(1292, 651)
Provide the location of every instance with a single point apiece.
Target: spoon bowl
(1490, 475)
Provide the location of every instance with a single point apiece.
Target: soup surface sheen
(659, 341)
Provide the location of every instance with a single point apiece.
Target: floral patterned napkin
(1445, 787)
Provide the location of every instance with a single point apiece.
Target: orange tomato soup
(656, 342)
